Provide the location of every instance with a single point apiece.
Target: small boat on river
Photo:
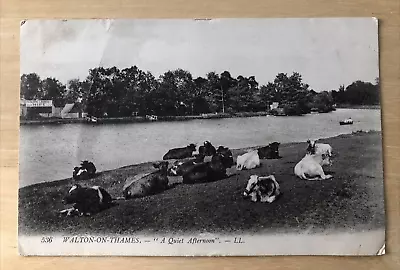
(348, 121)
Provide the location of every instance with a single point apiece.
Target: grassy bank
(353, 199)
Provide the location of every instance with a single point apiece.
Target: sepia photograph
(200, 137)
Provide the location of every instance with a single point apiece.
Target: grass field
(352, 200)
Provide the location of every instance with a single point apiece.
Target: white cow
(249, 160)
(262, 188)
(310, 167)
(319, 148)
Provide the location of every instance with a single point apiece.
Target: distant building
(274, 105)
(72, 110)
(46, 108)
(32, 108)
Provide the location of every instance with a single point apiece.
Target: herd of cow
(209, 164)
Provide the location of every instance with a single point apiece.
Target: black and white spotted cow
(87, 200)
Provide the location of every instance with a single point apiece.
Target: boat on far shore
(91, 119)
(347, 121)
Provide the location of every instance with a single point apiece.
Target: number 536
(47, 239)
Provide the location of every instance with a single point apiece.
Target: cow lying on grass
(319, 148)
(249, 160)
(147, 183)
(310, 167)
(227, 157)
(262, 188)
(270, 151)
(207, 149)
(208, 171)
(181, 167)
(180, 153)
(86, 171)
(87, 200)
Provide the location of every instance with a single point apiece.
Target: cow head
(72, 195)
(162, 166)
(325, 160)
(311, 147)
(275, 149)
(192, 147)
(84, 163)
(251, 185)
(226, 156)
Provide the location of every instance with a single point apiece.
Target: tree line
(120, 93)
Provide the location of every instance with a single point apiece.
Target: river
(50, 152)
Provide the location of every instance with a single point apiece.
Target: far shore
(142, 119)
(365, 107)
(352, 200)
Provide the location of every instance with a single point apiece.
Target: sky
(326, 52)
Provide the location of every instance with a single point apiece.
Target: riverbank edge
(358, 107)
(141, 119)
(146, 164)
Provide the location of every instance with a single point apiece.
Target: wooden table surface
(12, 11)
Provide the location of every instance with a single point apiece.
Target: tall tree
(54, 90)
(268, 95)
(213, 95)
(225, 83)
(362, 93)
(292, 94)
(200, 104)
(74, 91)
(242, 94)
(30, 86)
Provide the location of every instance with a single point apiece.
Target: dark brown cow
(181, 167)
(207, 149)
(206, 171)
(147, 183)
(180, 153)
(269, 152)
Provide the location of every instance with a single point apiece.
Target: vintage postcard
(200, 137)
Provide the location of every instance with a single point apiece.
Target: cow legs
(326, 176)
(321, 175)
(69, 211)
(253, 197)
(269, 199)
